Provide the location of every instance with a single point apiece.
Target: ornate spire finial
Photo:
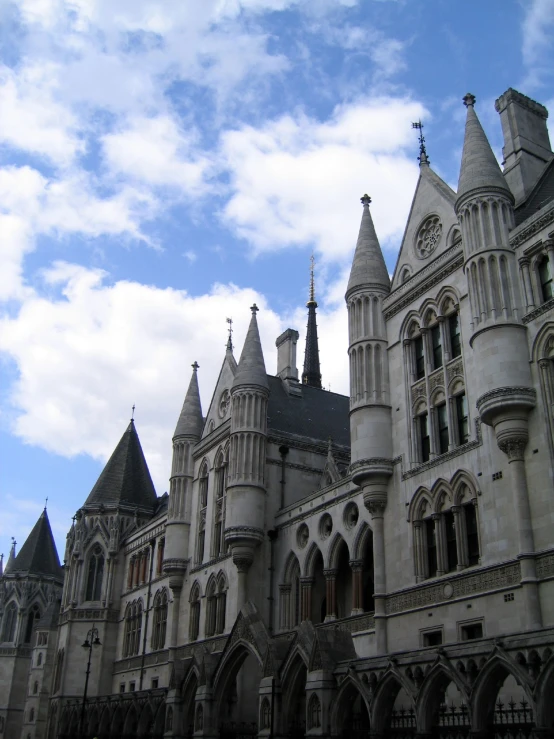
(312, 284)
(254, 308)
(423, 158)
(469, 100)
(133, 412)
(365, 200)
(230, 337)
(46, 503)
(195, 366)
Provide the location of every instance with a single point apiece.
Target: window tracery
(95, 574)
(9, 623)
(160, 620)
(202, 510)
(194, 622)
(133, 628)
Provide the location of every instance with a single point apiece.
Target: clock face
(224, 401)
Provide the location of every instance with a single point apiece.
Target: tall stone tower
(370, 410)
(187, 433)
(505, 395)
(246, 488)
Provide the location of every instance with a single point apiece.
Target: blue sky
(165, 164)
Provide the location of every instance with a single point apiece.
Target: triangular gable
(432, 197)
(220, 405)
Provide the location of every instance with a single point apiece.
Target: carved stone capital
(513, 448)
(501, 400)
(243, 560)
(376, 506)
(356, 565)
(330, 574)
(545, 364)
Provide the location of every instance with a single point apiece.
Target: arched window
(160, 620)
(199, 719)
(39, 659)
(59, 668)
(32, 620)
(10, 620)
(545, 278)
(95, 574)
(35, 687)
(194, 623)
(133, 629)
(314, 712)
(160, 561)
(32, 715)
(210, 609)
(265, 715)
(202, 506)
(218, 542)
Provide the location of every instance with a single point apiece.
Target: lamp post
(91, 641)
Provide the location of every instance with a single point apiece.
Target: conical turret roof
(11, 558)
(368, 266)
(479, 168)
(251, 366)
(125, 480)
(38, 556)
(190, 421)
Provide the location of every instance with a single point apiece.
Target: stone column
(176, 585)
(460, 536)
(331, 594)
(527, 287)
(549, 246)
(545, 366)
(514, 447)
(376, 507)
(306, 584)
(242, 559)
(439, 539)
(356, 565)
(419, 551)
(284, 605)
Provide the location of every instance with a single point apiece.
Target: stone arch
(188, 692)
(385, 696)
(334, 550)
(437, 396)
(454, 235)
(293, 680)
(159, 721)
(144, 728)
(422, 499)
(93, 721)
(428, 312)
(447, 296)
(489, 681)
(309, 562)
(131, 721)
(350, 697)
(225, 689)
(362, 536)
(543, 692)
(405, 273)
(430, 695)
(117, 722)
(441, 492)
(461, 479)
(410, 325)
(105, 722)
(543, 345)
(291, 563)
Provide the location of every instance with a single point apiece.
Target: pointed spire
(423, 158)
(1, 565)
(311, 374)
(251, 366)
(125, 480)
(190, 421)
(38, 555)
(368, 267)
(11, 557)
(479, 168)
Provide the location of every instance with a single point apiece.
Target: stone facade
(323, 565)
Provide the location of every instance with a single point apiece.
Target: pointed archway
(350, 716)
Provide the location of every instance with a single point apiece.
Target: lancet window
(95, 574)
(445, 530)
(202, 510)
(290, 595)
(58, 670)
(32, 620)
(435, 380)
(194, 621)
(9, 623)
(221, 467)
(160, 620)
(537, 272)
(133, 629)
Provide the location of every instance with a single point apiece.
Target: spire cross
(195, 366)
(418, 125)
(46, 503)
(469, 100)
(230, 338)
(133, 412)
(312, 288)
(254, 308)
(365, 200)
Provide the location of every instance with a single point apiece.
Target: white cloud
(297, 181)
(538, 29)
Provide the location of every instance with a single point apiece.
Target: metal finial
(469, 100)
(365, 199)
(230, 337)
(254, 308)
(133, 412)
(423, 158)
(312, 286)
(195, 366)
(46, 503)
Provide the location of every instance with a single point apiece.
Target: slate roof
(541, 194)
(317, 414)
(38, 556)
(125, 480)
(368, 265)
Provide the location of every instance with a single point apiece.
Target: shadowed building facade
(377, 565)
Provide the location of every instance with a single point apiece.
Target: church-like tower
(370, 410)
(246, 487)
(187, 434)
(505, 395)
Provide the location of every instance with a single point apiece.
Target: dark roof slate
(125, 480)
(542, 194)
(316, 414)
(38, 556)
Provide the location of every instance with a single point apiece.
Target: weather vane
(418, 125)
(312, 288)
(230, 337)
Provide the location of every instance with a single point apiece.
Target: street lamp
(92, 640)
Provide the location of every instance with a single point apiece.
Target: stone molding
(89, 614)
(541, 310)
(212, 439)
(244, 532)
(458, 586)
(144, 539)
(309, 445)
(210, 563)
(420, 283)
(496, 399)
(18, 651)
(293, 466)
(364, 622)
(545, 566)
(446, 457)
(538, 222)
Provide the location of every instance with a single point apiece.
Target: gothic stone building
(381, 564)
